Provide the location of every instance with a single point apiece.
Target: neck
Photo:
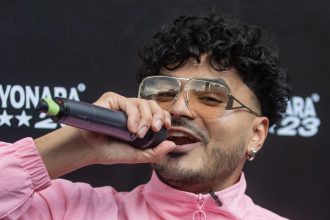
(205, 187)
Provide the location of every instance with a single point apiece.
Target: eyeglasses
(204, 98)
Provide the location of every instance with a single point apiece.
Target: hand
(142, 115)
(69, 148)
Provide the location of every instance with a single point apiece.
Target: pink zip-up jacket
(26, 192)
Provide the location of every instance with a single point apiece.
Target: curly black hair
(228, 43)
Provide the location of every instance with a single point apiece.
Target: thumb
(154, 154)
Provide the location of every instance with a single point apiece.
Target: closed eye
(166, 96)
(211, 100)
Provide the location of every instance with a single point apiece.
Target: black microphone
(98, 119)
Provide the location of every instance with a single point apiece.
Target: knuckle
(147, 120)
(142, 102)
(152, 102)
(134, 100)
(110, 94)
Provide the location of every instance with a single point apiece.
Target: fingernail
(158, 124)
(142, 131)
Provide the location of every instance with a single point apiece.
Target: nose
(180, 107)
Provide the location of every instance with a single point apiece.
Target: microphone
(98, 119)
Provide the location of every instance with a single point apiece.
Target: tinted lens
(161, 89)
(207, 99)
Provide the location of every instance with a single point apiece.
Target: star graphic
(5, 118)
(23, 119)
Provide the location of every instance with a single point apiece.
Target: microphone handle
(105, 121)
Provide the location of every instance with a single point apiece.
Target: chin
(178, 170)
(178, 161)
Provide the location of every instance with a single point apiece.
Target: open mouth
(182, 138)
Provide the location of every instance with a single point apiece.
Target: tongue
(181, 140)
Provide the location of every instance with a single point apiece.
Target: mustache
(187, 123)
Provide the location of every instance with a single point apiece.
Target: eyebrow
(220, 81)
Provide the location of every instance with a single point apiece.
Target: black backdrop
(80, 49)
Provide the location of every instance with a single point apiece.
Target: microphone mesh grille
(151, 139)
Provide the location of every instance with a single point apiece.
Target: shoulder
(256, 212)
(262, 213)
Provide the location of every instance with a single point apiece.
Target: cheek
(224, 131)
(218, 129)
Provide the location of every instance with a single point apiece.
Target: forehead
(203, 70)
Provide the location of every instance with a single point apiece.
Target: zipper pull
(199, 214)
(216, 198)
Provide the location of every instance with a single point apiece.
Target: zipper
(199, 214)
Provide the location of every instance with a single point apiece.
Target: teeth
(179, 134)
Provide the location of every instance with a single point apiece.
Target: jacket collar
(166, 200)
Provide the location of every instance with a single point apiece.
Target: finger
(115, 101)
(167, 122)
(152, 155)
(103, 100)
(133, 115)
(158, 115)
(145, 117)
(130, 107)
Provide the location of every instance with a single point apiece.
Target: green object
(53, 107)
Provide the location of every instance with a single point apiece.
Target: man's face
(209, 151)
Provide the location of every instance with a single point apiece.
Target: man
(217, 87)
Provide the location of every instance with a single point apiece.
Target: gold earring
(252, 154)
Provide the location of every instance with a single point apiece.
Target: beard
(217, 164)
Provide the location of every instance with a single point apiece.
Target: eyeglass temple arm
(243, 106)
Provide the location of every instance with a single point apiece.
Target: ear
(259, 133)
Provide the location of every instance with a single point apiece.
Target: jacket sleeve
(26, 191)
(22, 173)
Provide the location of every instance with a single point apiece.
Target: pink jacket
(26, 192)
